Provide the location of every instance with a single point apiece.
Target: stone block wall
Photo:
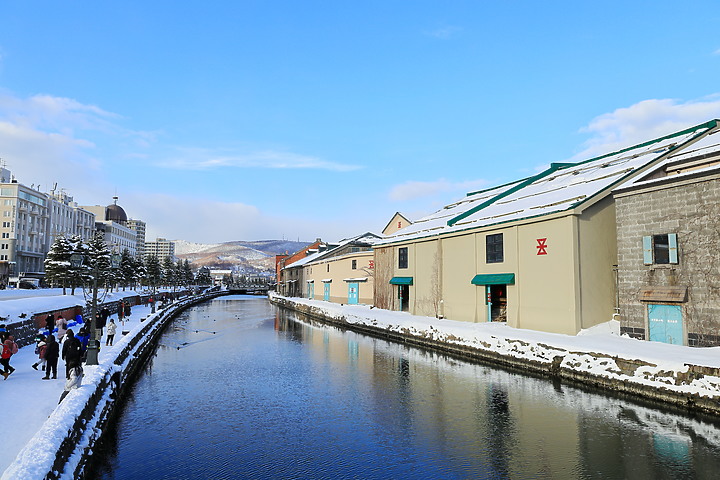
(691, 209)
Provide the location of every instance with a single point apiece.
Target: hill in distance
(245, 257)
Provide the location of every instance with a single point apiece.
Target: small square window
(354, 264)
(660, 249)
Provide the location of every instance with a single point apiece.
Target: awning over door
(494, 279)
(401, 281)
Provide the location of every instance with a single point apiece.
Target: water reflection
(242, 390)
(486, 420)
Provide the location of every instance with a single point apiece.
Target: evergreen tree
(98, 261)
(187, 273)
(57, 263)
(203, 277)
(154, 271)
(140, 272)
(77, 275)
(168, 272)
(127, 269)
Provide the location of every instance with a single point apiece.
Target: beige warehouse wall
(598, 255)
(340, 268)
(508, 265)
(458, 270)
(548, 295)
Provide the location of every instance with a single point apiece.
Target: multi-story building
(112, 221)
(24, 219)
(139, 227)
(161, 248)
(67, 218)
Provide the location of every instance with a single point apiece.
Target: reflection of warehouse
(538, 252)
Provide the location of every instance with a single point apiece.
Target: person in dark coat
(101, 321)
(71, 352)
(52, 352)
(84, 337)
(49, 323)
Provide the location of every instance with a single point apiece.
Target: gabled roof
(392, 219)
(366, 239)
(563, 187)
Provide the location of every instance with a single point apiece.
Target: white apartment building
(68, 219)
(24, 218)
(161, 248)
(139, 226)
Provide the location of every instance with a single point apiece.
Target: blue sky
(248, 120)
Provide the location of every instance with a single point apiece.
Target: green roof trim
(494, 279)
(560, 166)
(401, 281)
(553, 168)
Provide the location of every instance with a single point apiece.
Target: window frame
(493, 254)
(654, 252)
(402, 257)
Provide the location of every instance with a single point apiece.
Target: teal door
(326, 291)
(310, 290)
(665, 323)
(353, 293)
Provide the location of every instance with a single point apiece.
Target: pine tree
(57, 263)
(98, 261)
(168, 271)
(154, 271)
(78, 275)
(127, 269)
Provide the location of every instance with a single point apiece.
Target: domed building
(120, 233)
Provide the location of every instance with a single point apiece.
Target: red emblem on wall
(542, 246)
(372, 264)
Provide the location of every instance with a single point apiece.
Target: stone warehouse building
(669, 249)
(539, 253)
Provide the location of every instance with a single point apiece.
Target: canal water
(240, 389)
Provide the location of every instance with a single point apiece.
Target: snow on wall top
(561, 187)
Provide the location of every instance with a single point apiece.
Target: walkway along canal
(241, 389)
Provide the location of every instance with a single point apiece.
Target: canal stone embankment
(64, 444)
(680, 376)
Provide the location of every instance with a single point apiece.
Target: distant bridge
(248, 289)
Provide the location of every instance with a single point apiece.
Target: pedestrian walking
(128, 310)
(49, 323)
(101, 322)
(73, 381)
(10, 348)
(71, 352)
(84, 337)
(111, 329)
(151, 300)
(40, 349)
(3, 333)
(52, 352)
(61, 325)
(121, 312)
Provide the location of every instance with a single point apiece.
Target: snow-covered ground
(28, 400)
(596, 351)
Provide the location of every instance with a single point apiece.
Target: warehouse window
(660, 249)
(403, 257)
(494, 248)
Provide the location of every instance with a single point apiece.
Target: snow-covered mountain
(242, 256)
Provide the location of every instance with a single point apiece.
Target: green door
(665, 323)
(326, 291)
(310, 290)
(353, 293)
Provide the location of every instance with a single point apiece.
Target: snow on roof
(561, 187)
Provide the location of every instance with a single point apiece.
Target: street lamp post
(76, 259)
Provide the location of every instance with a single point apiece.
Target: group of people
(74, 347)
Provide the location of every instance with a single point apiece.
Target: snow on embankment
(684, 376)
(63, 445)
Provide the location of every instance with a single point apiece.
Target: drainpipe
(616, 274)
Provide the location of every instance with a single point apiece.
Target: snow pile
(599, 351)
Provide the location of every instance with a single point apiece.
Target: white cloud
(199, 159)
(411, 190)
(207, 221)
(444, 33)
(644, 121)
(717, 52)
